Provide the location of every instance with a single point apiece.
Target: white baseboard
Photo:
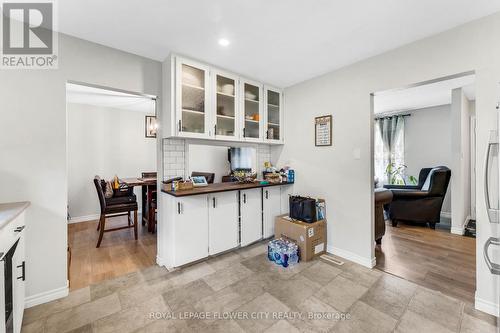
(46, 296)
(446, 215)
(457, 230)
(160, 261)
(486, 306)
(85, 218)
(93, 217)
(370, 263)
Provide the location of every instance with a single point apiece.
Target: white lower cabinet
(18, 279)
(250, 215)
(190, 229)
(12, 288)
(271, 207)
(222, 221)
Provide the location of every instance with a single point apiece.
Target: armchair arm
(409, 194)
(402, 187)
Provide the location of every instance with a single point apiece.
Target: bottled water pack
(283, 252)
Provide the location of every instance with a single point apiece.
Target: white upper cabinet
(273, 115)
(225, 122)
(204, 102)
(252, 110)
(192, 99)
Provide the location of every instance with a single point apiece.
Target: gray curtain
(389, 144)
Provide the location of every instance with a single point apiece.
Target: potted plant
(396, 175)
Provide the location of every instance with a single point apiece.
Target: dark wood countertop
(214, 188)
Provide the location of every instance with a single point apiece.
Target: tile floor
(257, 296)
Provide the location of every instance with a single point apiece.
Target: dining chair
(148, 196)
(152, 221)
(115, 206)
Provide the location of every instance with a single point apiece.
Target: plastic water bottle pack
(283, 252)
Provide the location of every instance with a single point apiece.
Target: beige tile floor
(257, 296)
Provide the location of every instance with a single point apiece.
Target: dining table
(148, 190)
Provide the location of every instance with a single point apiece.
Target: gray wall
(428, 142)
(33, 146)
(346, 181)
(104, 141)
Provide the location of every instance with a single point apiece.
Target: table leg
(145, 203)
(150, 199)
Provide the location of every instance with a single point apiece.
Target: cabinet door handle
(244, 132)
(180, 126)
(267, 194)
(19, 229)
(213, 201)
(244, 198)
(267, 134)
(215, 129)
(23, 270)
(179, 207)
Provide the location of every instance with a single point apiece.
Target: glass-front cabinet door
(252, 120)
(273, 114)
(192, 99)
(225, 122)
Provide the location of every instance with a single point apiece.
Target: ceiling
(280, 42)
(423, 96)
(81, 94)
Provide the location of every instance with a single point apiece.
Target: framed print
(151, 127)
(323, 131)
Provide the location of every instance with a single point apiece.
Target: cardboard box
(310, 237)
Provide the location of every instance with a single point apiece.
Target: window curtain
(389, 145)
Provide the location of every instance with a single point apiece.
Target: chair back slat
(100, 193)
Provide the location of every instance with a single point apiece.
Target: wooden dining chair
(114, 207)
(148, 196)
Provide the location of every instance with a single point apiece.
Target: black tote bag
(303, 209)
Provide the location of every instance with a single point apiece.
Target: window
(388, 146)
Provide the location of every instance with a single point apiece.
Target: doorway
(424, 183)
(109, 134)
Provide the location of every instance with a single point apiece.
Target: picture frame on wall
(151, 126)
(323, 131)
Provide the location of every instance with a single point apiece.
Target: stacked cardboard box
(310, 237)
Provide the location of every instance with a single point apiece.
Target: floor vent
(330, 259)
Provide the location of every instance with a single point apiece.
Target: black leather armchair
(420, 203)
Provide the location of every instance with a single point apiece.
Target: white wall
(345, 181)
(106, 142)
(207, 158)
(33, 147)
(428, 142)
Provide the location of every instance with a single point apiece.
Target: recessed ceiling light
(223, 42)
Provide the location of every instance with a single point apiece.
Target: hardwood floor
(435, 259)
(119, 253)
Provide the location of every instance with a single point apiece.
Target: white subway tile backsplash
(174, 152)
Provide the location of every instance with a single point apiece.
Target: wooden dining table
(148, 186)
